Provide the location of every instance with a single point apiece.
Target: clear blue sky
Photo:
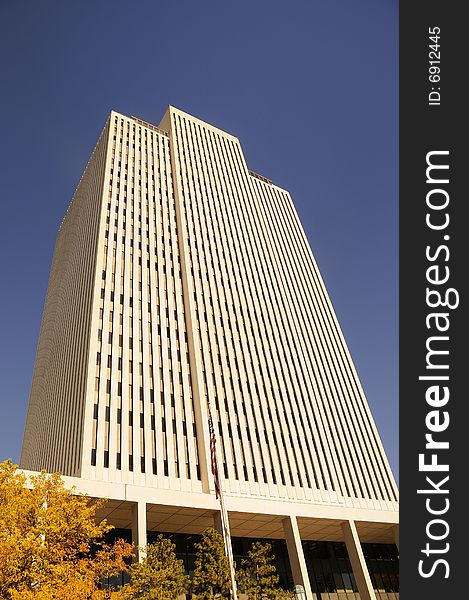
(309, 87)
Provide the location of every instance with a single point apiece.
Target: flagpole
(224, 514)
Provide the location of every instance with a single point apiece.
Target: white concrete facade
(183, 282)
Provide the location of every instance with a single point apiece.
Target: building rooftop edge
(159, 129)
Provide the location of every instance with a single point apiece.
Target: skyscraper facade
(182, 287)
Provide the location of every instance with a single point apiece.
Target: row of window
(254, 423)
(165, 441)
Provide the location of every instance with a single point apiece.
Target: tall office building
(183, 285)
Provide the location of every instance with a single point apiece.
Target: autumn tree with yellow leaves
(212, 569)
(258, 577)
(160, 576)
(51, 547)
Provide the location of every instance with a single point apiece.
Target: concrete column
(395, 535)
(139, 529)
(357, 560)
(296, 555)
(217, 522)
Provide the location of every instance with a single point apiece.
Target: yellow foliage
(51, 548)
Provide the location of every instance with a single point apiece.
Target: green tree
(160, 576)
(51, 547)
(212, 569)
(257, 576)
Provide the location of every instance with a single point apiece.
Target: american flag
(213, 456)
